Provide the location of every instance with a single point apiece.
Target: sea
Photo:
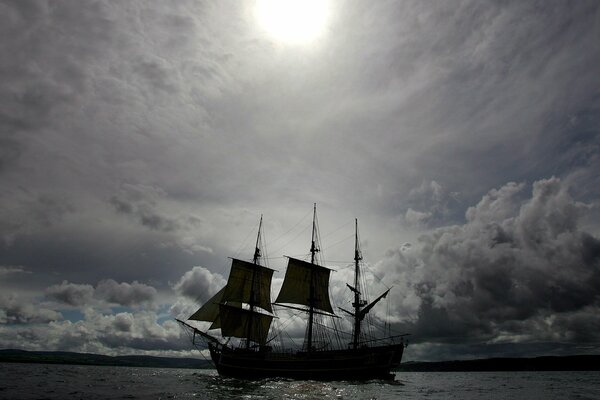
(45, 381)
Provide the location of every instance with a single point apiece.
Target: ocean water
(43, 381)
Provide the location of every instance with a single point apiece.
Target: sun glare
(293, 21)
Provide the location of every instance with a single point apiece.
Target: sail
(297, 284)
(246, 277)
(235, 322)
(210, 310)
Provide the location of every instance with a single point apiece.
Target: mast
(359, 312)
(257, 253)
(357, 302)
(311, 309)
(248, 283)
(252, 302)
(307, 284)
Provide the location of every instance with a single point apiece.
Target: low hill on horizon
(65, 357)
(545, 363)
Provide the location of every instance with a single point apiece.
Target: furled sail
(249, 283)
(296, 288)
(242, 323)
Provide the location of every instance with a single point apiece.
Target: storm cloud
(519, 270)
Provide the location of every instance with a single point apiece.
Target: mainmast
(313, 251)
(307, 284)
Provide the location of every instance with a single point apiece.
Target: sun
(293, 21)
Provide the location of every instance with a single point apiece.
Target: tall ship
(249, 346)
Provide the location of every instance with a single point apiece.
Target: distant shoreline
(548, 363)
(63, 357)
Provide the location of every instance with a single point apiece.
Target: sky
(141, 141)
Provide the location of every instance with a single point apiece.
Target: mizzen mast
(359, 312)
(358, 303)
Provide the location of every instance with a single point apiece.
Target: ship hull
(360, 364)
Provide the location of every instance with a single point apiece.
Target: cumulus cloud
(125, 294)
(199, 284)
(517, 270)
(140, 331)
(193, 289)
(72, 294)
(18, 310)
(108, 292)
(417, 218)
(122, 333)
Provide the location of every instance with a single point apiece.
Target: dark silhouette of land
(564, 363)
(61, 357)
(550, 363)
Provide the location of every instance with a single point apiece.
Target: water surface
(44, 381)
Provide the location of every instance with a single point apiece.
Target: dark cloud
(430, 205)
(10, 150)
(31, 213)
(517, 270)
(141, 203)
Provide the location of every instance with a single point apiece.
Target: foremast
(239, 308)
(252, 302)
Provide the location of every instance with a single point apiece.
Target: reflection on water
(292, 389)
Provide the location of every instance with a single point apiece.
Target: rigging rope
(291, 229)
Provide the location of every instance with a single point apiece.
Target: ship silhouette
(243, 309)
